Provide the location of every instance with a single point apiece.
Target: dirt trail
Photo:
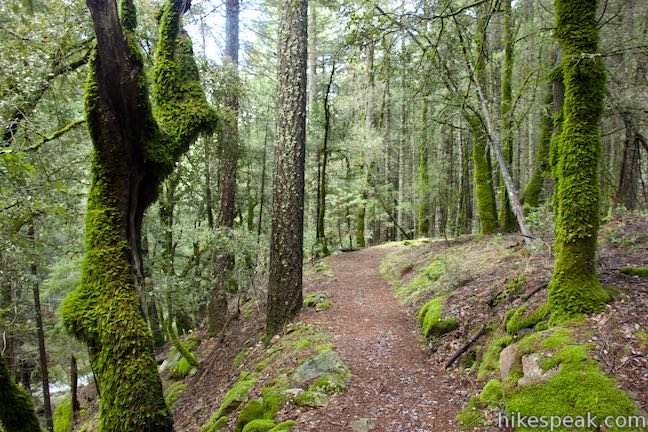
(392, 384)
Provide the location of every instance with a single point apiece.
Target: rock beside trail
(324, 363)
(507, 360)
(533, 372)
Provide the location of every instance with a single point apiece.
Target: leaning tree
(136, 142)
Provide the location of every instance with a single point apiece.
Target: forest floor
(393, 387)
(397, 379)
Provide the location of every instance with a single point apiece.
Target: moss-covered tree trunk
(135, 148)
(286, 255)
(228, 138)
(485, 194)
(464, 219)
(574, 288)
(16, 406)
(506, 217)
(486, 207)
(423, 186)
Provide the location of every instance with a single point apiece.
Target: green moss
(574, 288)
(173, 393)
(577, 389)
(485, 194)
(16, 406)
(635, 271)
(391, 269)
(431, 320)
(323, 268)
(329, 384)
(520, 319)
(302, 345)
(249, 309)
(181, 369)
(259, 425)
(312, 399)
(471, 416)
(490, 360)
(324, 305)
(284, 426)
(318, 300)
(515, 287)
(232, 400)
(214, 424)
(63, 417)
(274, 399)
(251, 411)
(240, 357)
(492, 394)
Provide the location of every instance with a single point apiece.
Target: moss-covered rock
(274, 398)
(63, 417)
(16, 406)
(329, 384)
(431, 319)
(214, 424)
(322, 363)
(259, 425)
(312, 399)
(232, 400)
(284, 426)
(251, 411)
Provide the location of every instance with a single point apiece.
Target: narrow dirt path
(391, 385)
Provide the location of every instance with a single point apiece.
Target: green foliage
(441, 275)
(490, 360)
(431, 319)
(63, 417)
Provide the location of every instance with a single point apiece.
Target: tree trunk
(423, 178)
(135, 147)
(40, 331)
(574, 288)
(286, 254)
(74, 384)
(228, 152)
(535, 186)
(628, 190)
(506, 217)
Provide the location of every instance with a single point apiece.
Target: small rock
(533, 372)
(363, 424)
(507, 359)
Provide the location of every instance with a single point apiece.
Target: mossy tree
(135, 146)
(423, 186)
(574, 288)
(485, 194)
(286, 252)
(506, 216)
(16, 406)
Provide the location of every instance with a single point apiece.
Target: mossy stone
(492, 394)
(251, 411)
(312, 399)
(259, 425)
(329, 384)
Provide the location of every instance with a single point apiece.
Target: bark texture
(286, 253)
